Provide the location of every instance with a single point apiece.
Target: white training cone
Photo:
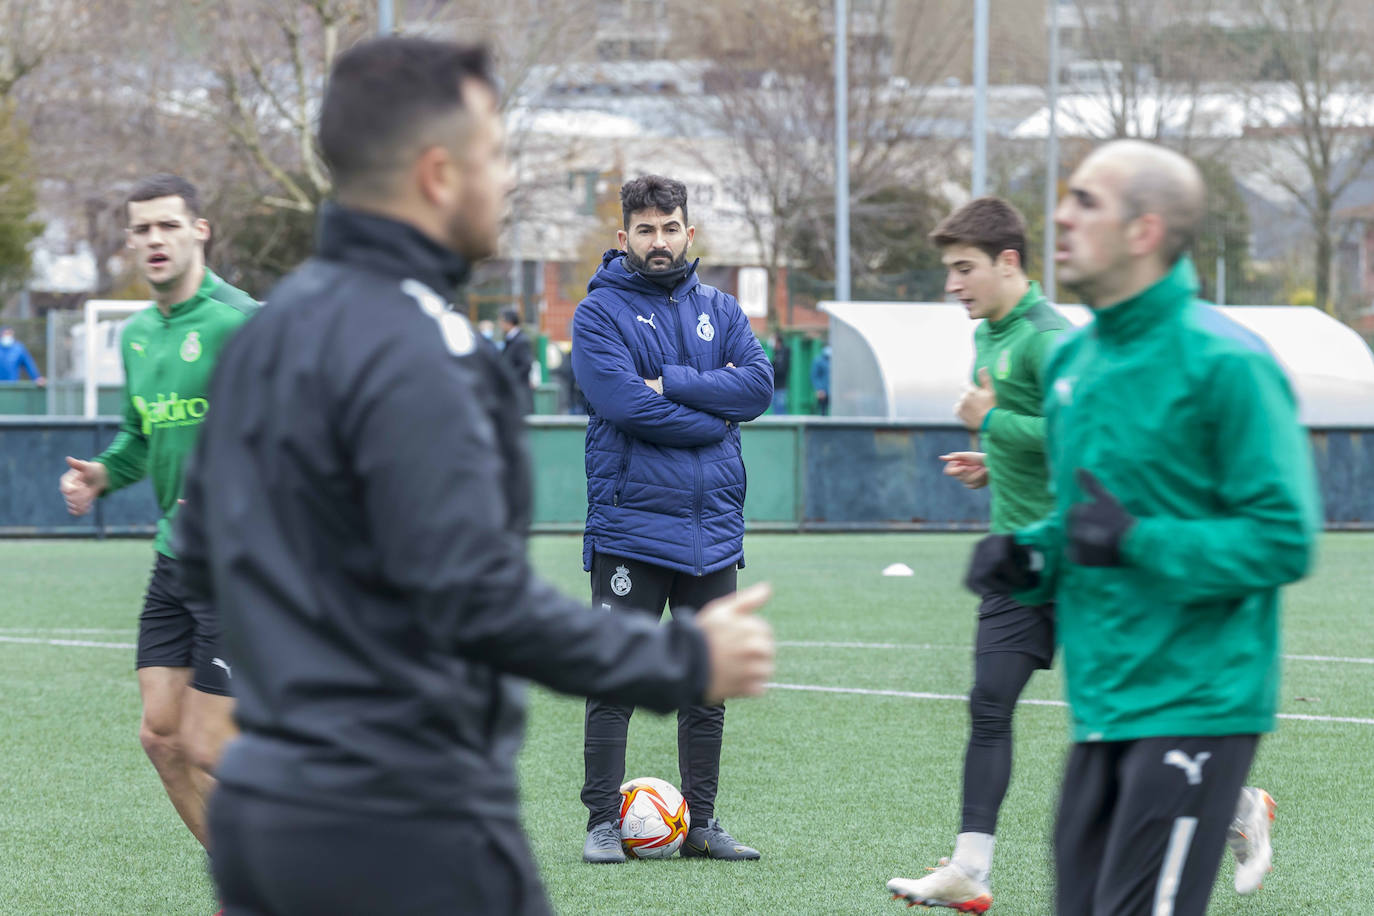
(898, 569)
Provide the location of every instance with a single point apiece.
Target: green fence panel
(22, 399)
(770, 460)
(560, 478)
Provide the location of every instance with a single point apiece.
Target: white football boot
(948, 886)
(1248, 838)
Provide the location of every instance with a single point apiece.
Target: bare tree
(31, 30)
(770, 94)
(1147, 64)
(1317, 110)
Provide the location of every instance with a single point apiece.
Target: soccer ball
(653, 818)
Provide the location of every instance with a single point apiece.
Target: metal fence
(805, 474)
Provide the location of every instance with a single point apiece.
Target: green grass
(839, 791)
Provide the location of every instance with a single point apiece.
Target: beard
(643, 266)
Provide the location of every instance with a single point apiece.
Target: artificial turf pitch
(839, 790)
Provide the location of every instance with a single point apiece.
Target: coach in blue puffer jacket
(669, 367)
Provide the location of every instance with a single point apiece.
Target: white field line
(68, 629)
(77, 643)
(921, 695)
(792, 644)
(919, 646)
(812, 688)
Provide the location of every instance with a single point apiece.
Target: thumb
(984, 379)
(749, 600)
(76, 464)
(1089, 484)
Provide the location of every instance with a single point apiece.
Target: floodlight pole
(980, 97)
(841, 152)
(386, 18)
(1052, 155)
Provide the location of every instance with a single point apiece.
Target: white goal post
(94, 308)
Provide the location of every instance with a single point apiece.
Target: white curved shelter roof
(911, 360)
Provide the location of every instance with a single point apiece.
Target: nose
(952, 284)
(1063, 213)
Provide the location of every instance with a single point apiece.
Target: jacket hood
(615, 273)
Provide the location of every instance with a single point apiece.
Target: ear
(1146, 234)
(1008, 262)
(200, 230)
(622, 239)
(691, 234)
(437, 177)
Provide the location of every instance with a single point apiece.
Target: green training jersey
(168, 360)
(1188, 420)
(1014, 350)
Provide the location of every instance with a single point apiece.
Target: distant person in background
(517, 353)
(574, 401)
(15, 356)
(782, 364)
(820, 380)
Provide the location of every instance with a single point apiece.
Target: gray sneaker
(603, 844)
(712, 841)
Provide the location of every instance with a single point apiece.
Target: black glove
(1000, 566)
(1097, 527)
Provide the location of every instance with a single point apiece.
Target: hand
(970, 468)
(1096, 527)
(729, 365)
(1000, 566)
(41, 382)
(974, 406)
(655, 383)
(83, 482)
(740, 644)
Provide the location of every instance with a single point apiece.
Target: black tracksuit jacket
(357, 511)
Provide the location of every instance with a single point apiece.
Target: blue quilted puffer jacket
(665, 477)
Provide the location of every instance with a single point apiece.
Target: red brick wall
(556, 320)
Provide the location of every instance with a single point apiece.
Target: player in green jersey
(983, 246)
(169, 352)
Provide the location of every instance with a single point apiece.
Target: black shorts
(175, 631)
(1006, 625)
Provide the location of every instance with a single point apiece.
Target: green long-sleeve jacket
(168, 360)
(1014, 350)
(1187, 418)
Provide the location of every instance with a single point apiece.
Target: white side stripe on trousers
(1171, 872)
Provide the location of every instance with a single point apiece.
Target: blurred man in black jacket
(357, 510)
(518, 354)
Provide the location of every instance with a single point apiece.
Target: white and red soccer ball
(653, 818)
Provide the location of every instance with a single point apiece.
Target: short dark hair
(510, 315)
(989, 224)
(382, 96)
(164, 184)
(652, 192)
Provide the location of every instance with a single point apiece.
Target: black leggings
(998, 680)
